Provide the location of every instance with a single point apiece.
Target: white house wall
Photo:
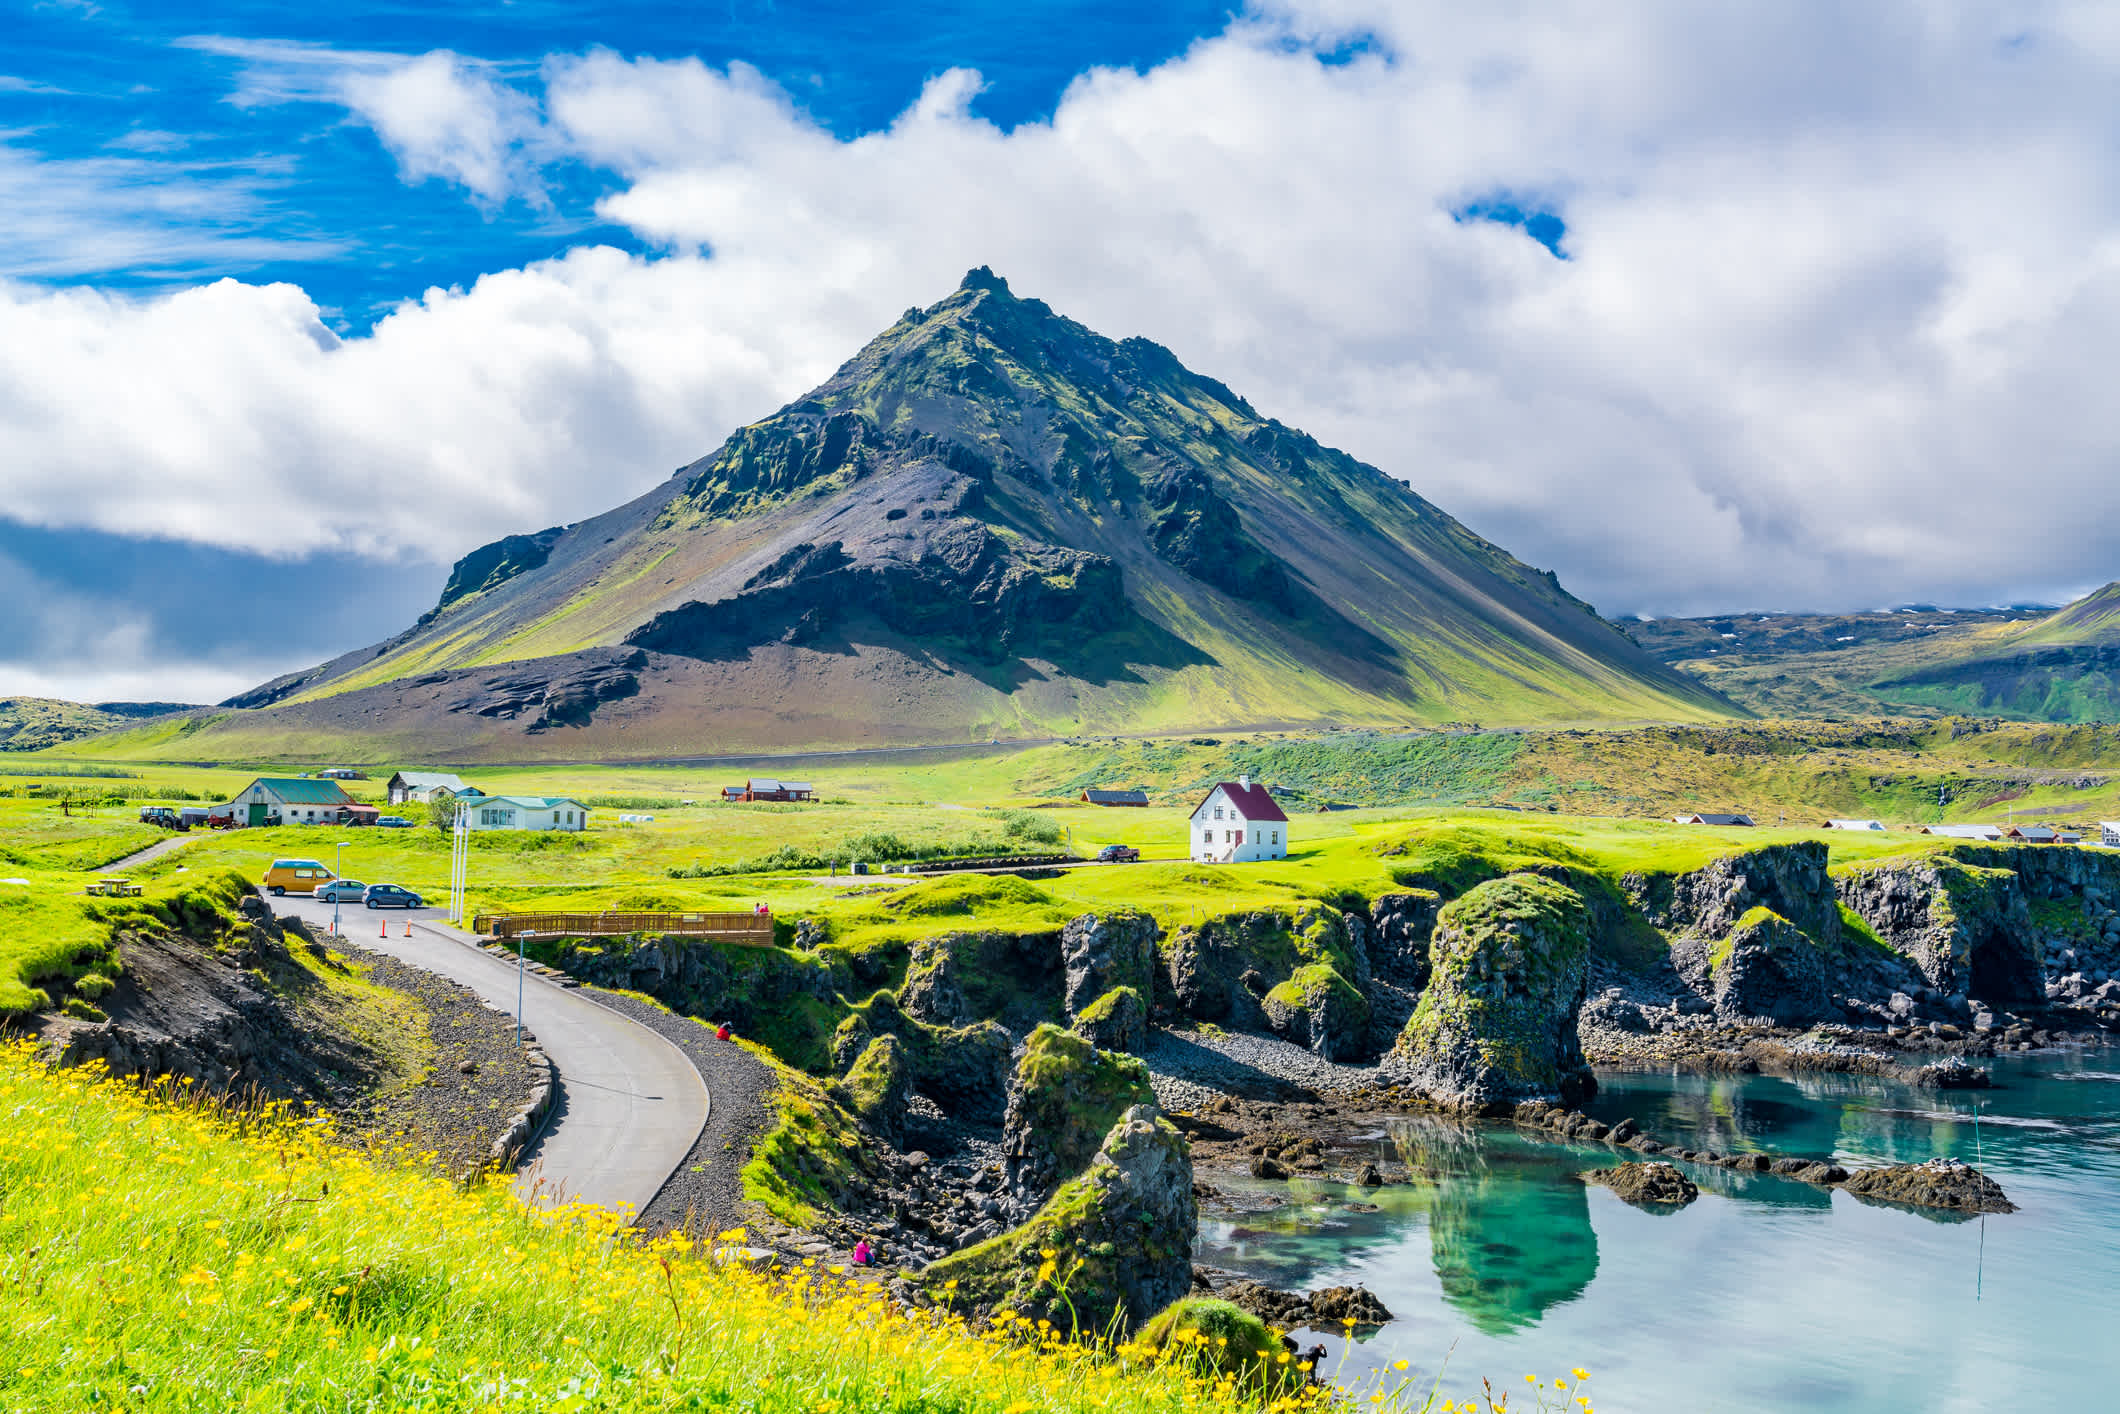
(1263, 840)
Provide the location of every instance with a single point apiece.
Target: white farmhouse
(1238, 823)
(420, 787)
(2109, 833)
(527, 812)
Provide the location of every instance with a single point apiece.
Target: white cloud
(1840, 288)
(61, 643)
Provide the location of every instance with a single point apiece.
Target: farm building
(1115, 797)
(1964, 832)
(527, 812)
(2035, 834)
(1854, 825)
(1238, 823)
(767, 789)
(1699, 819)
(420, 787)
(288, 800)
(2109, 833)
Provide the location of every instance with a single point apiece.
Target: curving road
(629, 1103)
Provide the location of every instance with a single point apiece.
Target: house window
(1218, 812)
(1207, 837)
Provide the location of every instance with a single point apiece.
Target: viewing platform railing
(754, 929)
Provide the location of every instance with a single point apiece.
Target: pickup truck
(1118, 854)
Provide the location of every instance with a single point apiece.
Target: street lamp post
(338, 872)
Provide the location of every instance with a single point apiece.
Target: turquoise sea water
(1765, 1294)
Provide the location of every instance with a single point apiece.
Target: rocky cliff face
(1765, 968)
(1297, 973)
(1790, 879)
(1497, 1022)
(1966, 927)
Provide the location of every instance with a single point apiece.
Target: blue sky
(1763, 305)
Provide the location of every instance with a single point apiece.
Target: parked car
(294, 876)
(392, 822)
(1118, 854)
(342, 891)
(391, 896)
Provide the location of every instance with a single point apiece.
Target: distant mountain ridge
(991, 521)
(33, 723)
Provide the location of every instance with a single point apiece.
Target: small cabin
(1853, 825)
(1135, 798)
(1744, 821)
(765, 788)
(421, 787)
(1989, 833)
(1238, 823)
(527, 812)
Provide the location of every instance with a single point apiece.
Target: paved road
(630, 1103)
(154, 851)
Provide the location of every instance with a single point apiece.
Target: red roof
(1252, 802)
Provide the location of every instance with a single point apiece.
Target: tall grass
(158, 1253)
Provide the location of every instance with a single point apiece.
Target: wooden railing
(754, 929)
(999, 861)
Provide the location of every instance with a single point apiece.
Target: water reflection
(1509, 1233)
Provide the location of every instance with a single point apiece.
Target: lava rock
(1656, 1187)
(1939, 1183)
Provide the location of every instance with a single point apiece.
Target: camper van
(294, 876)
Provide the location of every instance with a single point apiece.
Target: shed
(289, 800)
(1093, 796)
(1704, 819)
(1854, 825)
(1964, 832)
(422, 786)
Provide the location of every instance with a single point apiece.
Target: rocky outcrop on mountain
(1653, 1187)
(1765, 969)
(1062, 1100)
(1940, 1183)
(491, 566)
(1121, 1234)
(1497, 1023)
(1965, 926)
(555, 692)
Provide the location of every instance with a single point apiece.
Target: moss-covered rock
(1765, 969)
(1220, 969)
(1209, 1335)
(964, 1069)
(1948, 1184)
(1653, 1187)
(962, 978)
(1063, 1100)
(1497, 1022)
(810, 1161)
(1120, 1237)
(1116, 1021)
(876, 1086)
(1790, 879)
(1318, 1008)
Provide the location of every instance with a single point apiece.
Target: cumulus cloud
(1837, 288)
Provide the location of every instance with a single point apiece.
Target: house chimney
(1243, 783)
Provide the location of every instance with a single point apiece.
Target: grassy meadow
(160, 1254)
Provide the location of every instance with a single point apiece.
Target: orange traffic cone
(408, 927)
(386, 929)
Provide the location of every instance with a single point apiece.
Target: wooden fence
(999, 861)
(755, 929)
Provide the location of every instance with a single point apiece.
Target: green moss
(811, 1157)
(1069, 1094)
(1856, 931)
(1108, 1005)
(1210, 1335)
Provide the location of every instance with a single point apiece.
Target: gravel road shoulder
(705, 1195)
(478, 1078)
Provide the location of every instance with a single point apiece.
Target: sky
(1783, 305)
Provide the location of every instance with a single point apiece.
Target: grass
(160, 1254)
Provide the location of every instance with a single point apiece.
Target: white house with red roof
(1238, 823)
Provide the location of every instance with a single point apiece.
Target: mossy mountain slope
(991, 520)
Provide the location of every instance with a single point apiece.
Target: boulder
(1102, 951)
(1658, 1187)
(1116, 1021)
(1949, 1075)
(1940, 1183)
(876, 1087)
(932, 991)
(1121, 1234)
(1339, 1305)
(1497, 1023)
(1221, 968)
(1320, 1009)
(1766, 968)
(1062, 1101)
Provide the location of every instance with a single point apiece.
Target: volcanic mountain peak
(992, 520)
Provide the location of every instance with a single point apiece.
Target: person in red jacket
(721, 1032)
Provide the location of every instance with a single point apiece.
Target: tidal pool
(1765, 1293)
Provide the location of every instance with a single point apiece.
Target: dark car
(1118, 854)
(341, 891)
(391, 896)
(392, 822)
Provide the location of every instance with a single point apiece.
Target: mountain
(990, 522)
(33, 723)
(2035, 664)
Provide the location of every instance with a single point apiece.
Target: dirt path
(152, 852)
